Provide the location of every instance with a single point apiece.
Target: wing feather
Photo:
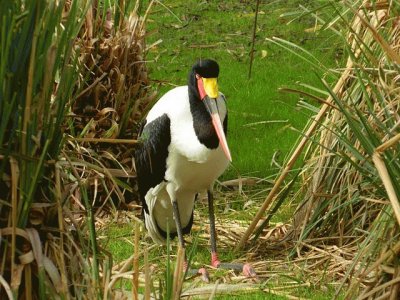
(151, 155)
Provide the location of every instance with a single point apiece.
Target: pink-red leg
(246, 268)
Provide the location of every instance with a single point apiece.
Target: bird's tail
(159, 218)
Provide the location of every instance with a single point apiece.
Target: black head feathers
(206, 68)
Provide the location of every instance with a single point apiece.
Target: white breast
(193, 175)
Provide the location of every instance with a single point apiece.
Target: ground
(279, 276)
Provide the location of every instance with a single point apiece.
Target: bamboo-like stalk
(135, 276)
(147, 278)
(29, 88)
(387, 182)
(223, 288)
(389, 143)
(395, 288)
(214, 291)
(104, 140)
(178, 274)
(28, 282)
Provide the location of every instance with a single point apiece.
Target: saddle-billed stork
(183, 150)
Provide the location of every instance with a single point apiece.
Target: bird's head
(203, 79)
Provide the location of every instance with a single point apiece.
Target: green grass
(115, 238)
(223, 30)
(308, 293)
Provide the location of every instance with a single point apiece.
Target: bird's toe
(249, 271)
(204, 275)
(201, 272)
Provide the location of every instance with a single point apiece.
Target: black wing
(151, 155)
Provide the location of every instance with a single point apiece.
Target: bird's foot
(249, 271)
(246, 269)
(202, 272)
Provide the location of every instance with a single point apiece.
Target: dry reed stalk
(395, 289)
(7, 287)
(213, 292)
(206, 291)
(119, 270)
(387, 256)
(393, 55)
(178, 274)
(28, 287)
(104, 140)
(147, 277)
(389, 143)
(383, 286)
(387, 182)
(135, 277)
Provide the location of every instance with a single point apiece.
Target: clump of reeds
(69, 70)
(347, 224)
(113, 95)
(351, 175)
(38, 72)
(115, 88)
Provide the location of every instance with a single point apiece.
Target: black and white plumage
(183, 151)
